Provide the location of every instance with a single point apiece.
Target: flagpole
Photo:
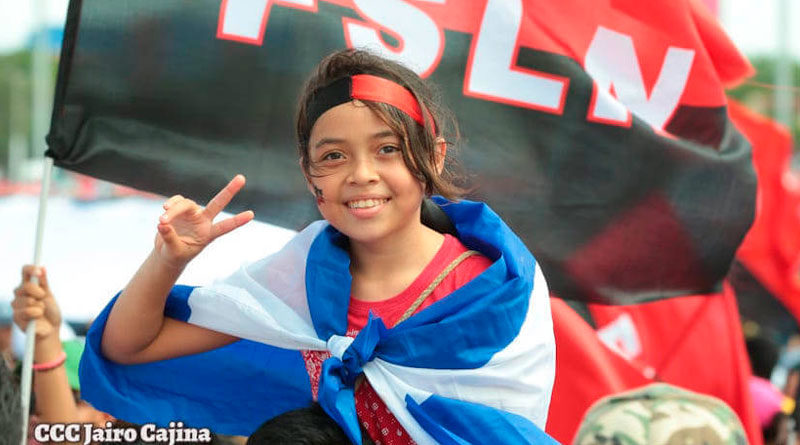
(30, 331)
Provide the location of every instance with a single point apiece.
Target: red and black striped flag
(599, 132)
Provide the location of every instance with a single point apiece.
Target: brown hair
(419, 142)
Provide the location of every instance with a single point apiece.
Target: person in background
(773, 407)
(10, 406)
(660, 414)
(305, 426)
(6, 352)
(763, 354)
(786, 376)
(55, 383)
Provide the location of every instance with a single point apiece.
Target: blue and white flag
(475, 367)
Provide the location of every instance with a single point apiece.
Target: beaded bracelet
(52, 364)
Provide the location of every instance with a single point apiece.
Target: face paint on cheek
(318, 194)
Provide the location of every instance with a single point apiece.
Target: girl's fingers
(171, 201)
(224, 196)
(30, 289)
(31, 313)
(231, 223)
(28, 271)
(168, 234)
(21, 291)
(20, 321)
(29, 302)
(43, 279)
(178, 208)
(33, 274)
(22, 305)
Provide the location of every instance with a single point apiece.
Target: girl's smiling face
(367, 192)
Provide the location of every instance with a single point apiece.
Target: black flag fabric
(600, 134)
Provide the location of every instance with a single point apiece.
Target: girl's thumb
(167, 234)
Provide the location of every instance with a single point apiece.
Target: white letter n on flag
(611, 61)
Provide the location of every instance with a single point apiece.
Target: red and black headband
(365, 87)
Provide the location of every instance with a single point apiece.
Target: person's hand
(186, 228)
(35, 301)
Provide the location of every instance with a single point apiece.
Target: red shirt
(375, 417)
(390, 310)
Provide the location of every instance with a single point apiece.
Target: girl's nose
(364, 171)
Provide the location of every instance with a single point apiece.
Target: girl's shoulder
(467, 269)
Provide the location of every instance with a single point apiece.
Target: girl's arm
(136, 330)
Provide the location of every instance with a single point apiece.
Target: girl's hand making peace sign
(186, 228)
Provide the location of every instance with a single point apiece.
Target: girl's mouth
(366, 208)
(366, 203)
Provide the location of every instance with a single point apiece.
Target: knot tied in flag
(341, 371)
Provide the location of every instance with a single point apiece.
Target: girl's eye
(332, 156)
(386, 149)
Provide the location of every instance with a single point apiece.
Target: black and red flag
(695, 342)
(766, 274)
(598, 132)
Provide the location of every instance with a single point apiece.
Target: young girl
(399, 330)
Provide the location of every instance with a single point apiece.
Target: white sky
(750, 23)
(17, 18)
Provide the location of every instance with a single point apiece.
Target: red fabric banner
(694, 342)
(585, 371)
(771, 249)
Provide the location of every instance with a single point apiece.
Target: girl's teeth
(365, 203)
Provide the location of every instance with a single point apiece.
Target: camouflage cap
(660, 414)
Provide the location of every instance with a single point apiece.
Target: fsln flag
(600, 134)
(667, 341)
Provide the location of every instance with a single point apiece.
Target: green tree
(15, 100)
(758, 92)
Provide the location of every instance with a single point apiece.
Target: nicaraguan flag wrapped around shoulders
(475, 367)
